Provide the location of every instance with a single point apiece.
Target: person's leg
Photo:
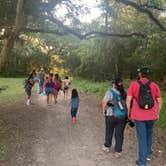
(40, 86)
(28, 91)
(72, 112)
(150, 125)
(51, 97)
(75, 112)
(47, 98)
(141, 130)
(119, 134)
(109, 129)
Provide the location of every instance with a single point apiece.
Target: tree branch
(44, 31)
(143, 10)
(146, 5)
(83, 36)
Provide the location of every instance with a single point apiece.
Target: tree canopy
(128, 34)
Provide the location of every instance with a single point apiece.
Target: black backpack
(146, 100)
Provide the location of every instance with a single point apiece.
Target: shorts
(28, 91)
(50, 91)
(66, 88)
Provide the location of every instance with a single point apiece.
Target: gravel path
(41, 135)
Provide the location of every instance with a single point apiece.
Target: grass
(162, 121)
(13, 90)
(99, 89)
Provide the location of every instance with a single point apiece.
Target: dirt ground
(41, 135)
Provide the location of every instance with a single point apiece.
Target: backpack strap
(115, 96)
(148, 83)
(140, 83)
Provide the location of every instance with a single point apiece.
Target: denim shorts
(50, 91)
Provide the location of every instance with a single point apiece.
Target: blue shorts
(50, 91)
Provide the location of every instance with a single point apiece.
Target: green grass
(14, 90)
(99, 89)
(162, 121)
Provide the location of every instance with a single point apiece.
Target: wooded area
(127, 35)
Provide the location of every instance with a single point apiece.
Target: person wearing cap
(115, 113)
(144, 118)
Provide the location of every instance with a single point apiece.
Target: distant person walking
(66, 85)
(74, 104)
(41, 76)
(58, 85)
(146, 107)
(115, 113)
(28, 84)
(49, 88)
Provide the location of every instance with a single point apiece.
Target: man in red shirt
(144, 118)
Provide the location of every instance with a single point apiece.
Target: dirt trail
(41, 135)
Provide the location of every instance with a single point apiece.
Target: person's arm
(160, 102)
(128, 103)
(104, 106)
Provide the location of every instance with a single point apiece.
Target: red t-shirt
(138, 113)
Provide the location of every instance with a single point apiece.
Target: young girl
(49, 89)
(28, 89)
(58, 85)
(66, 84)
(74, 104)
(28, 84)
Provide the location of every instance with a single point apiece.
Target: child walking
(66, 85)
(74, 104)
(28, 85)
(49, 88)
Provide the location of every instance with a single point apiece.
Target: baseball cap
(143, 70)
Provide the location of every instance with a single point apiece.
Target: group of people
(140, 106)
(50, 86)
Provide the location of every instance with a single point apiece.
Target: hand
(104, 112)
(129, 116)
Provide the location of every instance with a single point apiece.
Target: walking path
(41, 135)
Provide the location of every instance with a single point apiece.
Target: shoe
(148, 158)
(105, 149)
(73, 120)
(118, 154)
(137, 163)
(28, 102)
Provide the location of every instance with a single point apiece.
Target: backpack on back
(146, 100)
(119, 105)
(58, 85)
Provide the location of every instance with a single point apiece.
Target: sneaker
(105, 149)
(148, 158)
(73, 120)
(118, 154)
(28, 102)
(137, 163)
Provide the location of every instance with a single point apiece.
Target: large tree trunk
(9, 42)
